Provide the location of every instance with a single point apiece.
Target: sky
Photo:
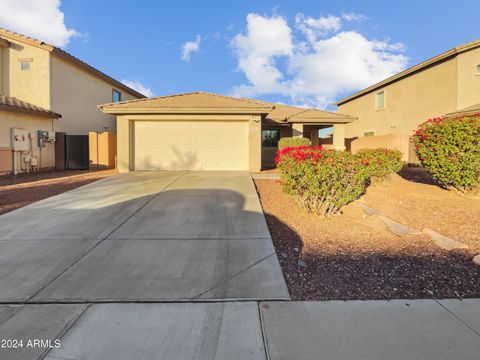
(306, 53)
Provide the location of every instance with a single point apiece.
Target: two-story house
(43, 87)
(389, 111)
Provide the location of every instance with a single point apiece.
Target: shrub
(322, 181)
(381, 163)
(292, 142)
(449, 148)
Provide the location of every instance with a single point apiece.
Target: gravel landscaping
(23, 189)
(355, 256)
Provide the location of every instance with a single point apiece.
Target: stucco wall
(392, 141)
(76, 95)
(32, 124)
(468, 79)
(410, 101)
(33, 85)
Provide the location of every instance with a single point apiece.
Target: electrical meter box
(42, 138)
(20, 140)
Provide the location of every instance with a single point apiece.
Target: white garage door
(191, 145)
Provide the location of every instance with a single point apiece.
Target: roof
(198, 102)
(68, 57)
(194, 102)
(473, 109)
(414, 69)
(13, 104)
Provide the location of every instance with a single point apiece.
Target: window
(116, 96)
(380, 100)
(270, 138)
(24, 65)
(369, 133)
(477, 68)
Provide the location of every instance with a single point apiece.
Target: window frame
(115, 91)
(377, 108)
(277, 140)
(372, 132)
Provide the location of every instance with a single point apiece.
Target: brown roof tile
(13, 104)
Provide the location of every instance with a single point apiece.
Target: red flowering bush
(293, 142)
(381, 163)
(322, 181)
(449, 148)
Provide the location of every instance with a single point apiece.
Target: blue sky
(307, 53)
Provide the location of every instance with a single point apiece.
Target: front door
(270, 139)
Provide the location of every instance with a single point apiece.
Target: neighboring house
(202, 131)
(42, 76)
(390, 110)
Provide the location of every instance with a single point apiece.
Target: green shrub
(381, 163)
(322, 181)
(292, 142)
(449, 148)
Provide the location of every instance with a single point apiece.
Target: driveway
(147, 236)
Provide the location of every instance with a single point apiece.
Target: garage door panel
(191, 145)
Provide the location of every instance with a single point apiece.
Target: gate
(76, 152)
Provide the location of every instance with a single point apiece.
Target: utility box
(42, 138)
(20, 140)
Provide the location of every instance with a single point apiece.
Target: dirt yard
(355, 256)
(23, 189)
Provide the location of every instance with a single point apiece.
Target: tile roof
(13, 104)
(68, 57)
(277, 113)
(411, 70)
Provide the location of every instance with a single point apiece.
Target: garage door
(191, 145)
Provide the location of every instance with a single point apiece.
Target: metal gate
(76, 152)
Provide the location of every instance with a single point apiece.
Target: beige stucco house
(42, 76)
(203, 131)
(390, 110)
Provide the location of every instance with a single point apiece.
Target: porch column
(339, 137)
(315, 140)
(297, 130)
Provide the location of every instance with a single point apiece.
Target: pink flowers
(300, 153)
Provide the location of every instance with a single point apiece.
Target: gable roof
(198, 102)
(188, 103)
(69, 58)
(13, 104)
(414, 69)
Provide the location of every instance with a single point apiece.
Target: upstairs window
(369, 133)
(477, 68)
(380, 100)
(116, 96)
(25, 64)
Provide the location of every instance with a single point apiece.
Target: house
(45, 88)
(390, 110)
(203, 131)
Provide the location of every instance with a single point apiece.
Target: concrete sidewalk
(352, 330)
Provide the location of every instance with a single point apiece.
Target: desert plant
(292, 142)
(449, 148)
(321, 181)
(381, 163)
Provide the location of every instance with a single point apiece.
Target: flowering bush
(381, 163)
(322, 181)
(449, 148)
(293, 141)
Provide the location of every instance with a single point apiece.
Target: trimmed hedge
(321, 181)
(381, 163)
(449, 148)
(292, 142)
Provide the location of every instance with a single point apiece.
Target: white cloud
(40, 19)
(330, 62)
(138, 86)
(266, 39)
(351, 16)
(190, 47)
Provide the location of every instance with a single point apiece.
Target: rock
(283, 255)
(443, 241)
(296, 249)
(302, 263)
(476, 259)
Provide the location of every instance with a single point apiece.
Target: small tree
(449, 148)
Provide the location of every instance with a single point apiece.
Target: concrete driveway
(147, 236)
